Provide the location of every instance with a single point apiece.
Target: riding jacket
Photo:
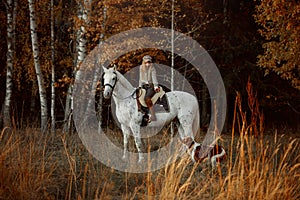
(148, 76)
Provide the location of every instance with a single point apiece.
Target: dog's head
(193, 148)
(197, 153)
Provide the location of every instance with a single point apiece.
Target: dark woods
(232, 31)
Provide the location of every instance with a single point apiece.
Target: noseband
(107, 84)
(111, 86)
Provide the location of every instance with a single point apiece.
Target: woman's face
(148, 64)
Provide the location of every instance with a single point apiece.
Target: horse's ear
(115, 67)
(104, 69)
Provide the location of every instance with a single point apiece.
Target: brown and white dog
(215, 155)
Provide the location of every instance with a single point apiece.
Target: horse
(182, 105)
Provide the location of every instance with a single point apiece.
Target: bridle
(107, 84)
(114, 85)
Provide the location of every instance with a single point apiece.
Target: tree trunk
(39, 75)
(81, 54)
(14, 23)
(97, 74)
(101, 96)
(172, 59)
(52, 69)
(9, 62)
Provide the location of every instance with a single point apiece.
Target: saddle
(159, 101)
(142, 92)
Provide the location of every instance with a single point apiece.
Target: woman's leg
(149, 94)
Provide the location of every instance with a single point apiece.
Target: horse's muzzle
(107, 92)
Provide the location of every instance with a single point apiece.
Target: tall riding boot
(150, 106)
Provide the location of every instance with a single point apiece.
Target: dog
(215, 155)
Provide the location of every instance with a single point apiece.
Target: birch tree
(9, 62)
(38, 71)
(83, 11)
(52, 68)
(97, 71)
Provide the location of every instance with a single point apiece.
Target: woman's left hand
(156, 89)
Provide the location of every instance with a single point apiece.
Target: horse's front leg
(126, 132)
(135, 128)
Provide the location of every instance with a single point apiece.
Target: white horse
(182, 105)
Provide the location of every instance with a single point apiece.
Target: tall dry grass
(40, 166)
(258, 166)
(26, 167)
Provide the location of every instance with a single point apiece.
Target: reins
(123, 98)
(131, 95)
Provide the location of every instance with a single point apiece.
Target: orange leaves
(279, 20)
(64, 81)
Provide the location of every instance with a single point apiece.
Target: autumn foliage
(279, 22)
(228, 30)
(248, 40)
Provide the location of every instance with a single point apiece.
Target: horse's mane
(124, 81)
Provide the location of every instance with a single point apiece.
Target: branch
(294, 109)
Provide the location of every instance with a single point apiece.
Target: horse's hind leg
(126, 132)
(183, 149)
(196, 124)
(186, 124)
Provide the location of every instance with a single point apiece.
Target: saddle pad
(142, 93)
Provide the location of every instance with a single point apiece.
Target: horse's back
(181, 95)
(182, 99)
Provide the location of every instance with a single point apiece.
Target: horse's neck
(123, 88)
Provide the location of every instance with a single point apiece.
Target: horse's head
(109, 80)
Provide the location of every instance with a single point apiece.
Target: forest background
(44, 42)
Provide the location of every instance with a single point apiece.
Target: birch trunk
(172, 47)
(9, 62)
(101, 96)
(14, 23)
(38, 71)
(172, 58)
(81, 54)
(97, 74)
(52, 69)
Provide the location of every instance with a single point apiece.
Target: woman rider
(148, 81)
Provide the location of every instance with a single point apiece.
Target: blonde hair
(143, 68)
